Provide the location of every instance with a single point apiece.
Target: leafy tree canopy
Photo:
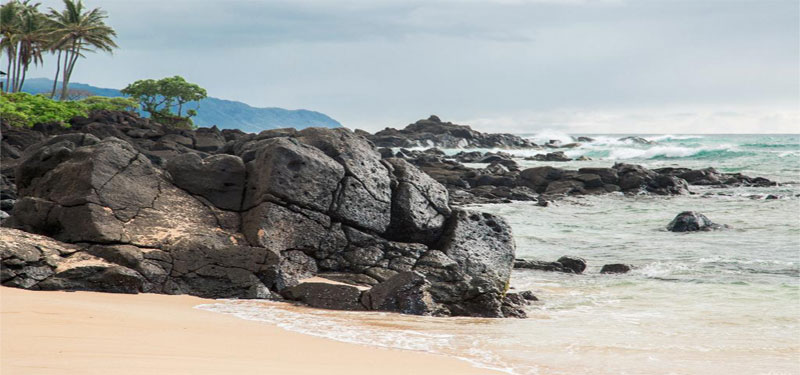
(160, 97)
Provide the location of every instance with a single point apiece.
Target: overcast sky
(642, 66)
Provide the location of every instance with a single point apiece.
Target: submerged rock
(690, 221)
(615, 268)
(576, 264)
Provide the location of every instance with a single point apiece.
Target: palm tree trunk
(24, 73)
(17, 73)
(64, 78)
(68, 70)
(8, 75)
(55, 80)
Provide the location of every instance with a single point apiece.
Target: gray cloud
(372, 64)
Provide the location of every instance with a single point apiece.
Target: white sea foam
(663, 151)
(669, 137)
(547, 135)
(346, 327)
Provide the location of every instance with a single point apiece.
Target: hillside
(225, 114)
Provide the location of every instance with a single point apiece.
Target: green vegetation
(159, 99)
(26, 34)
(23, 109)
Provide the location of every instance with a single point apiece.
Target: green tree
(159, 98)
(32, 41)
(9, 30)
(76, 30)
(23, 38)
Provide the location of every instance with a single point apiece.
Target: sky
(577, 66)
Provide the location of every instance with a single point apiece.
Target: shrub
(23, 109)
(97, 103)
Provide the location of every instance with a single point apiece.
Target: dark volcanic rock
(615, 268)
(690, 221)
(541, 265)
(482, 246)
(577, 265)
(144, 208)
(514, 305)
(407, 292)
(288, 170)
(420, 204)
(432, 132)
(552, 156)
(326, 295)
(218, 178)
(365, 197)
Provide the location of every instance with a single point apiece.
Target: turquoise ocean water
(723, 302)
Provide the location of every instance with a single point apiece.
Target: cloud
(373, 64)
(652, 121)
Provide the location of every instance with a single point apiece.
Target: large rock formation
(432, 132)
(131, 206)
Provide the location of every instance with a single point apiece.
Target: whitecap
(547, 135)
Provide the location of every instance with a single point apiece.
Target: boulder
(607, 175)
(365, 197)
(514, 306)
(406, 292)
(552, 156)
(615, 268)
(287, 170)
(576, 264)
(483, 247)
(528, 295)
(419, 206)
(538, 177)
(564, 187)
(325, 295)
(541, 265)
(218, 178)
(690, 221)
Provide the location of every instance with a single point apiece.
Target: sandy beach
(101, 333)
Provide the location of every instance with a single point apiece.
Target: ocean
(721, 302)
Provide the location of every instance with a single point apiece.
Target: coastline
(46, 332)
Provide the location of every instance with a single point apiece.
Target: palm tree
(75, 31)
(32, 40)
(9, 13)
(23, 37)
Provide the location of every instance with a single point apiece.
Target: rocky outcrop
(502, 181)
(690, 221)
(432, 132)
(134, 207)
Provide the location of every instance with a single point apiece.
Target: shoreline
(45, 332)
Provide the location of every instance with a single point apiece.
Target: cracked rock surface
(121, 204)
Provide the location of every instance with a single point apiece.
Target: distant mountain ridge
(225, 114)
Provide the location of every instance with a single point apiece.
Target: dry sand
(100, 333)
